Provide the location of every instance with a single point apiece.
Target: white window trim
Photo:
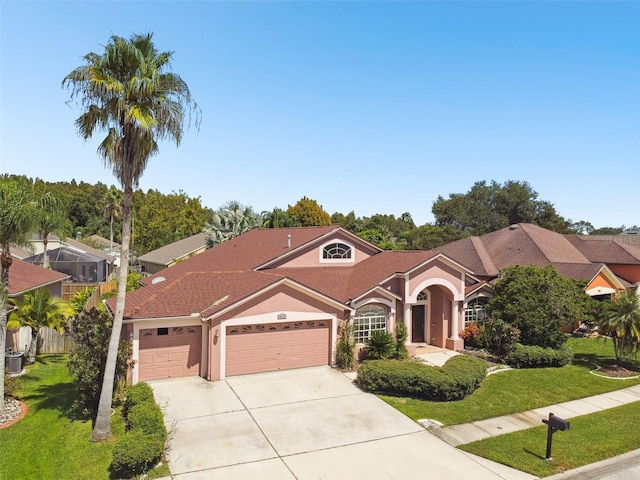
(373, 322)
(321, 259)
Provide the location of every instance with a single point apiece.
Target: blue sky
(375, 107)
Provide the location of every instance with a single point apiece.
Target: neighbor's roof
(573, 256)
(24, 276)
(176, 250)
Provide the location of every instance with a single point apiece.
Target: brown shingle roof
(247, 251)
(225, 274)
(24, 276)
(605, 250)
(176, 250)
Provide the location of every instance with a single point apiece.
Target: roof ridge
(484, 257)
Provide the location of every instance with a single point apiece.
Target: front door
(417, 324)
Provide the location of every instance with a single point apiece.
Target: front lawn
(47, 443)
(591, 438)
(524, 389)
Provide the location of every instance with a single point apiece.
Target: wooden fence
(50, 340)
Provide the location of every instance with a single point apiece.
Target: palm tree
(17, 218)
(36, 310)
(52, 218)
(229, 221)
(111, 203)
(128, 92)
(621, 322)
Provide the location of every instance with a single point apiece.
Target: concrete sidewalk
(470, 432)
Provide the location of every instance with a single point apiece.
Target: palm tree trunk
(33, 348)
(102, 427)
(3, 339)
(6, 261)
(45, 255)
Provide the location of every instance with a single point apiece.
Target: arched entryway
(431, 316)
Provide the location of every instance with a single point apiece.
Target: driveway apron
(311, 423)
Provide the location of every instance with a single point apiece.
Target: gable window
(336, 251)
(368, 319)
(476, 311)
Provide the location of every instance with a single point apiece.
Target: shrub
(457, 379)
(135, 453)
(473, 335)
(136, 394)
(346, 347)
(530, 356)
(379, 345)
(401, 334)
(498, 337)
(147, 417)
(91, 332)
(538, 301)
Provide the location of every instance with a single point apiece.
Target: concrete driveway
(303, 424)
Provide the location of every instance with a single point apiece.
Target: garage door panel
(277, 347)
(173, 353)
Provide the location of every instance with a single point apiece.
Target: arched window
(368, 319)
(336, 251)
(476, 310)
(422, 296)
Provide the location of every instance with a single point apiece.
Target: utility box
(13, 362)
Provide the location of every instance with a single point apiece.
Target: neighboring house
(112, 249)
(24, 278)
(82, 267)
(274, 299)
(604, 265)
(54, 242)
(173, 253)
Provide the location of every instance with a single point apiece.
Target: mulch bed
(615, 371)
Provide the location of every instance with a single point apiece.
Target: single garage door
(277, 346)
(169, 352)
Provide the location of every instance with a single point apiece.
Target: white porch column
(407, 322)
(455, 321)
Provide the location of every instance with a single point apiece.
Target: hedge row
(458, 378)
(530, 356)
(142, 446)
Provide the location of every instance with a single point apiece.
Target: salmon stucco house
(274, 299)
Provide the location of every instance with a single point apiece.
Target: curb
(594, 471)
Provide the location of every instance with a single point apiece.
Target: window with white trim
(368, 319)
(336, 251)
(476, 310)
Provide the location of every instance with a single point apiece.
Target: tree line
(160, 219)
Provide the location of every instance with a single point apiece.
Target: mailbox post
(554, 424)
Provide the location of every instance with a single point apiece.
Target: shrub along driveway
(302, 424)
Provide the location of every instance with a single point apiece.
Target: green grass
(47, 443)
(591, 438)
(520, 390)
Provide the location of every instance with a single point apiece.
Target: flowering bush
(472, 335)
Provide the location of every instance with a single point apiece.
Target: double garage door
(278, 346)
(169, 352)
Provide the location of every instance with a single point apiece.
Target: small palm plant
(380, 345)
(346, 347)
(37, 310)
(621, 322)
(402, 334)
